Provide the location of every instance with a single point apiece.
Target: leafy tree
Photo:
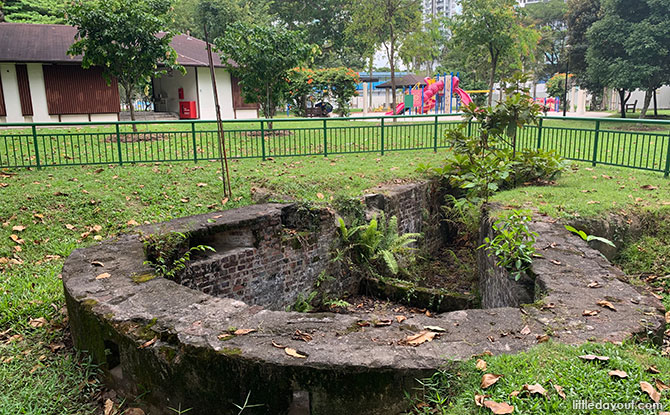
(629, 48)
(324, 22)
(263, 57)
(423, 46)
(34, 11)
(126, 38)
(493, 26)
(556, 86)
(549, 17)
(580, 16)
(385, 22)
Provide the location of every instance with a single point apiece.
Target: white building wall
(38, 94)
(10, 89)
(166, 88)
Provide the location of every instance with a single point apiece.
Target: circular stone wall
(176, 345)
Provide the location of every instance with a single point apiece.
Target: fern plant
(168, 253)
(377, 242)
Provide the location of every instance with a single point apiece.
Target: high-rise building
(523, 3)
(439, 8)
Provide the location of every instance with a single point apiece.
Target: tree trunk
(129, 98)
(494, 64)
(648, 94)
(655, 105)
(623, 98)
(370, 73)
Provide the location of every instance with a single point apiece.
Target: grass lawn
(45, 214)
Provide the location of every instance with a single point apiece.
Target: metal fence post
(667, 161)
(195, 149)
(325, 139)
(469, 128)
(539, 134)
(595, 144)
(263, 140)
(37, 150)
(118, 144)
(435, 136)
(382, 137)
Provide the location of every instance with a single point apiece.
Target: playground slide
(399, 109)
(465, 97)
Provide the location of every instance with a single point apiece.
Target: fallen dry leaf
(479, 399)
(37, 322)
(201, 184)
(591, 357)
(499, 408)
(653, 369)
(96, 228)
(536, 389)
(184, 200)
(103, 276)
(70, 227)
(481, 365)
(18, 228)
(555, 262)
(320, 195)
(133, 411)
(301, 335)
(559, 390)
(400, 319)
(109, 407)
(97, 264)
(242, 332)
(667, 317)
(661, 386)
(590, 313)
(525, 330)
(594, 284)
(489, 379)
(149, 343)
(293, 352)
(15, 238)
(649, 187)
(132, 222)
(542, 339)
(649, 390)
(606, 304)
(618, 373)
(382, 323)
(420, 338)
(514, 393)
(277, 345)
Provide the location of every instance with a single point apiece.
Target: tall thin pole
(225, 179)
(565, 91)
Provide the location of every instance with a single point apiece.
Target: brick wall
(279, 252)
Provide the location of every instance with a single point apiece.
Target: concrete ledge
(163, 339)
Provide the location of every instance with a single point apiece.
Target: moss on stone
(139, 279)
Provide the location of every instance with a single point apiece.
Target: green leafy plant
(377, 244)
(336, 303)
(589, 238)
(513, 244)
(303, 304)
(169, 253)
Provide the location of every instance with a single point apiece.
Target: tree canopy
(33, 11)
(629, 47)
(550, 18)
(493, 28)
(128, 39)
(387, 23)
(263, 57)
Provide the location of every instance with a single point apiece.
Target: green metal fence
(639, 144)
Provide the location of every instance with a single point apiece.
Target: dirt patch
(270, 133)
(454, 269)
(137, 137)
(364, 304)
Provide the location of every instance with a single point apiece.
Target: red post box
(187, 110)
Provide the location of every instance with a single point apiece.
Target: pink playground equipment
(423, 99)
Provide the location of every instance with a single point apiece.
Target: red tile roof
(25, 42)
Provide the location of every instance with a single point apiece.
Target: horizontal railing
(639, 144)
